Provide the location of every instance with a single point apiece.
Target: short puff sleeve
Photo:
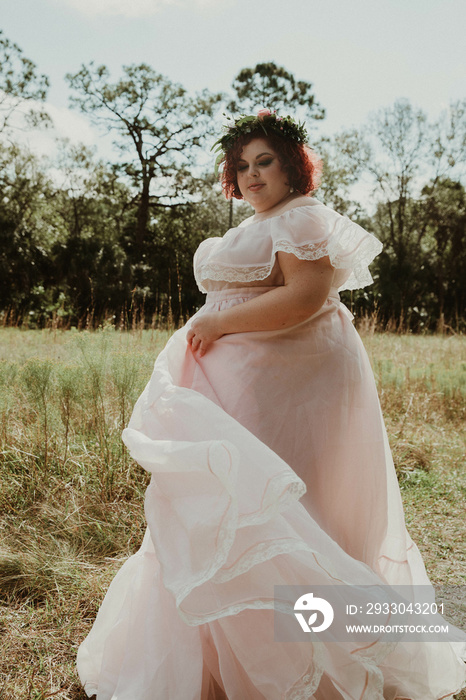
(310, 232)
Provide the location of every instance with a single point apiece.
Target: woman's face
(260, 177)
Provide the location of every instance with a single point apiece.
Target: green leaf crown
(267, 121)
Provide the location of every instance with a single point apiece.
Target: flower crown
(266, 120)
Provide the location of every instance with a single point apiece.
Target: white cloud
(66, 125)
(130, 8)
(72, 125)
(127, 8)
(42, 141)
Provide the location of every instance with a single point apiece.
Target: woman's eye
(262, 164)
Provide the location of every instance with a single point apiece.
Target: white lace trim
(282, 490)
(194, 620)
(220, 272)
(375, 681)
(306, 686)
(226, 538)
(259, 553)
(307, 251)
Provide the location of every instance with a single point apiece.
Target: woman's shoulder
(303, 203)
(299, 203)
(246, 222)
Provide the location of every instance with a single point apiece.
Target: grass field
(71, 499)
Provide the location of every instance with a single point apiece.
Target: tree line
(83, 239)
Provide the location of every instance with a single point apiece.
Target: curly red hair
(302, 166)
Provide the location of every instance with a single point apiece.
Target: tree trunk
(143, 214)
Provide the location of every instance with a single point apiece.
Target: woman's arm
(306, 287)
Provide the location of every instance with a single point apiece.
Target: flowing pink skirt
(270, 466)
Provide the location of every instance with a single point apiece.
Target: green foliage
(421, 272)
(338, 178)
(38, 381)
(271, 86)
(36, 376)
(90, 264)
(69, 380)
(419, 216)
(19, 83)
(443, 206)
(27, 233)
(70, 412)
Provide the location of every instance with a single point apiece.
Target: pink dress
(270, 466)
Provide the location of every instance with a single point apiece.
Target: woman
(270, 466)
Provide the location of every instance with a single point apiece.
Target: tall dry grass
(71, 499)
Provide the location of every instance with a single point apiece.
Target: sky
(360, 56)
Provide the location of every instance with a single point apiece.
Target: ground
(71, 499)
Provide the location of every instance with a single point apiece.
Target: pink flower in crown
(263, 113)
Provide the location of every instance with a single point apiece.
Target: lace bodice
(246, 255)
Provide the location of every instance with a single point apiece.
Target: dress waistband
(245, 293)
(242, 292)
(237, 293)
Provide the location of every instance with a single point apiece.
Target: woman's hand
(205, 329)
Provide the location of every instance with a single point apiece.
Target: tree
(26, 227)
(61, 242)
(447, 148)
(20, 83)
(390, 150)
(91, 270)
(272, 86)
(399, 152)
(338, 179)
(157, 128)
(444, 207)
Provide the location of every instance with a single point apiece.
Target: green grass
(71, 500)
